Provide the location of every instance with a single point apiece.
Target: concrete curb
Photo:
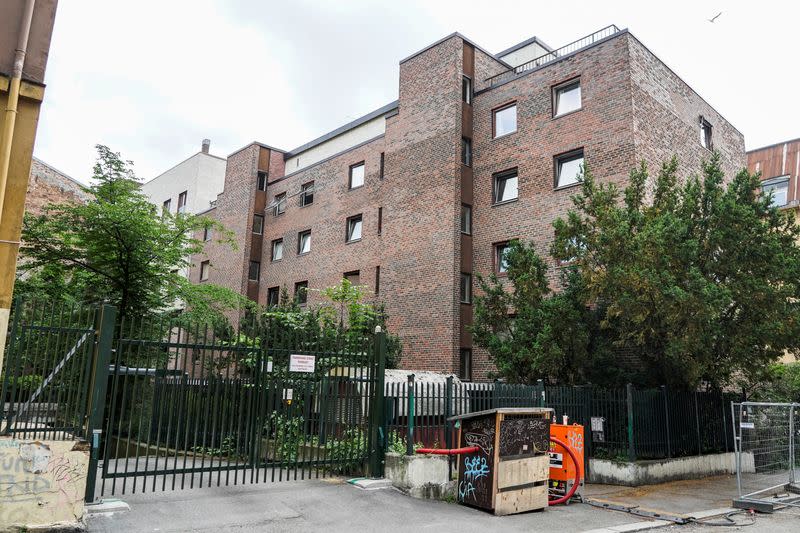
(107, 507)
(370, 484)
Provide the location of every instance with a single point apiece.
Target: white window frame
(506, 108)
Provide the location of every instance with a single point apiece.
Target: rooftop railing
(552, 56)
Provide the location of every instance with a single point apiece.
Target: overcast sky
(152, 78)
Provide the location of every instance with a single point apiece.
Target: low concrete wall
(42, 484)
(420, 476)
(652, 472)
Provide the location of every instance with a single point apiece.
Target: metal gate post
(106, 322)
(378, 437)
(666, 421)
(631, 448)
(791, 444)
(410, 413)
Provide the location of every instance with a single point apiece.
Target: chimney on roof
(206, 145)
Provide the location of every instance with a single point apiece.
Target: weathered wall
(44, 14)
(42, 483)
(48, 185)
(652, 472)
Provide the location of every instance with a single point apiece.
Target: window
(273, 296)
(279, 203)
(466, 219)
(166, 206)
(568, 168)
(182, 202)
(466, 151)
(566, 98)
(501, 257)
(465, 365)
(301, 292)
(277, 249)
(504, 120)
(505, 186)
(466, 89)
(254, 273)
(307, 194)
(262, 181)
(380, 220)
(304, 242)
(382, 164)
(206, 234)
(705, 134)
(354, 228)
(353, 277)
(466, 288)
(779, 187)
(258, 224)
(357, 175)
(377, 280)
(205, 266)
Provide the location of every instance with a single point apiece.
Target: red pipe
(565, 498)
(448, 451)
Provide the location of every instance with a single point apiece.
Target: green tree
(697, 280)
(118, 248)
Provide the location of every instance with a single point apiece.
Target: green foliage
(116, 248)
(780, 383)
(397, 444)
(287, 432)
(228, 448)
(346, 452)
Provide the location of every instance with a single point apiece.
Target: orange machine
(562, 468)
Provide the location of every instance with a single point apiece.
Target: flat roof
(523, 44)
(773, 145)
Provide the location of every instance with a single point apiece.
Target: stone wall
(47, 185)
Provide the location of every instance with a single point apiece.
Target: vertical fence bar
(377, 425)
(697, 425)
(666, 420)
(631, 448)
(410, 413)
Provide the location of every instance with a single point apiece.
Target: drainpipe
(13, 98)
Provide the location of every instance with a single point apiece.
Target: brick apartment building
(779, 165)
(415, 198)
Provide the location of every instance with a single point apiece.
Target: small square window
(706, 131)
(304, 242)
(354, 277)
(301, 292)
(277, 249)
(254, 273)
(466, 89)
(566, 98)
(182, 202)
(166, 206)
(258, 224)
(501, 257)
(465, 365)
(466, 219)
(357, 175)
(466, 288)
(261, 181)
(279, 204)
(205, 267)
(505, 120)
(505, 186)
(307, 194)
(569, 168)
(354, 228)
(466, 151)
(207, 234)
(779, 188)
(273, 296)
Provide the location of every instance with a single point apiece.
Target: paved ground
(332, 505)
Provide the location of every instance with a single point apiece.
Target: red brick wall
(47, 185)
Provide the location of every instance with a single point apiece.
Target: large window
(354, 228)
(205, 267)
(304, 242)
(277, 249)
(254, 272)
(258, 224)
(280, 203)
(466, 151)
(505, 186)
(504, 120)
(466, 89)
(706, 132)
(567, 97)
(357, 175)
(568, 168)
(301, 292)
(465, 365)
(501, 257)
(273, 296)
(307, 194)
(779, 187)
(466, 219)
(182, 202)
(466, 288)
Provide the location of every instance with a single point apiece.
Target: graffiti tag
(475, 468)
(465, 489)
(484, 442)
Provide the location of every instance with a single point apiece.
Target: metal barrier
(767, 460)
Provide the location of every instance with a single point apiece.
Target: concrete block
(420, 476)
(659, 471)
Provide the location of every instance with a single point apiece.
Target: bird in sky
(712, 19)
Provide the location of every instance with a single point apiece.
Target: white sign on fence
(302, 363)
(597, 423)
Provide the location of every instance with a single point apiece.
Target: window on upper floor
(301, 292)
(182, 202)
(377, 280)
(466, 151)
(261, 181)
(277, 249)
(254, 272)
(568, 168)
(304, 242)
(166, 206)
(207, 234)
(307, 194)
(354, 228)
(356, 175)
(258, 224)
(505, 186)
(706, 134)
(205, 268)
(504, 120)
(273, 296)
(380, 220)
(501, 257)
(383, 163)
(466, 219)
(466, 288)
(779, 187)
(466, 89)
(566, 97)
(279, 204)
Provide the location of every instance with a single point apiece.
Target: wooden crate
(510, 471)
